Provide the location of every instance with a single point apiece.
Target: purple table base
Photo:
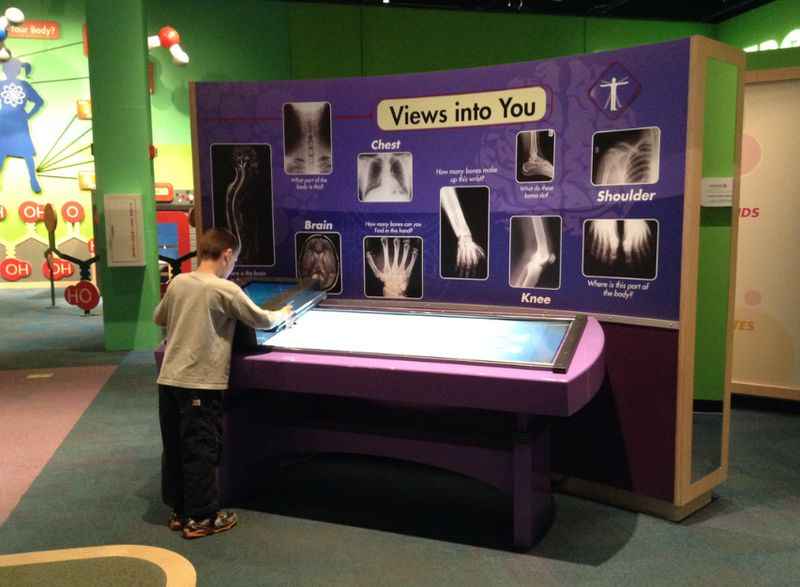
(515, 461)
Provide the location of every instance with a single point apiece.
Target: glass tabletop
(499, 340)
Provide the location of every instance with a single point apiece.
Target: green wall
(771, 21)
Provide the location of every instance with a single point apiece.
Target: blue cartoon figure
(15, 135)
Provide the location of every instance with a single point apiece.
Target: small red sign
(72, 212)
(48, 30)
(164, 192)
(15, 269)
(90, 244)
(61, 269)
(84, 295)
(3, 212)
(31, 212)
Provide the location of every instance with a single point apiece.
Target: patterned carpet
(347, 521)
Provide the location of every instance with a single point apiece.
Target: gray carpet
(347, 521)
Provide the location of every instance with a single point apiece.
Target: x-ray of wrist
(393, 269)
(464, 232)
(385, 177)
(319, 259)
(535, 252)
(307, 138)
(242, 198)
(620, 248)
(626, 157)
(535, 152)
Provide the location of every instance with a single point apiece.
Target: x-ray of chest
(385, 177)
(307, 138)
(242, 198)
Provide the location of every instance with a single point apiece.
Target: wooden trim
(198, 190)
(689, 267)
(630, 501)
(780, 74)
(686, 491)
(179, 571)
(761, 390)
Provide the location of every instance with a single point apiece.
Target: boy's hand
(287, 314)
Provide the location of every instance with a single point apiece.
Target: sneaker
(175, 522)
(223, 521)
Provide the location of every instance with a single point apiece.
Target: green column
(122, 136)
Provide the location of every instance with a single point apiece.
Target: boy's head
(218, 248)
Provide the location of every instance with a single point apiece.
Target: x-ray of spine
(393, 267)
(620, 248)
(318, 256)
(626, 156)
(242, 198)
(307, 143)
(385, 177)
(535, 252)
(536, 156)
(464, 232)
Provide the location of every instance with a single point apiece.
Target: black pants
(191, 428)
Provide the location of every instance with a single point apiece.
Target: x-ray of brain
(319, 258)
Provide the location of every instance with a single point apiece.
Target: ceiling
(709, 11)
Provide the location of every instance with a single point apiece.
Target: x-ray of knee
(464, 232)
(535, 252)
(307, 138)
(620, 248)
(536, 156)
(626, 156)
(242, 198)
(385, 177)
(318, 256)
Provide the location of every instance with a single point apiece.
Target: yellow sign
(512, 106)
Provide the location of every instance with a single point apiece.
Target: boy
(200, 310)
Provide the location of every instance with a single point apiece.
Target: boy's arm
(160, 313)
(244, 310)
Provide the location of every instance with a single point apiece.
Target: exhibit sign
(549, 184)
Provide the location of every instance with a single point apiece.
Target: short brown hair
(214, 241)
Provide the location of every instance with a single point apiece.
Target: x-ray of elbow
(535, 252)
(620, 248)
(385, 177)
(536, 156)
(626, 156)
(319, 258)
(307, 138)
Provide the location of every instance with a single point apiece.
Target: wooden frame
(197, 211)
(687, 491)
(748, 387)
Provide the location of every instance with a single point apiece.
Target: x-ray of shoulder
(536, 155)
(464, 232)
(626, 156)
(535, 252)
(242, 198)
(307, 141)
(393, 267)
(385, 177)
(319, 257)
(620, 248)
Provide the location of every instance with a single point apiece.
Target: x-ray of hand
(396, 268)
(605, 240)
(636, 239)
(468, 257)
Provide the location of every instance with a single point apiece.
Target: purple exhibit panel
(551, 184)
